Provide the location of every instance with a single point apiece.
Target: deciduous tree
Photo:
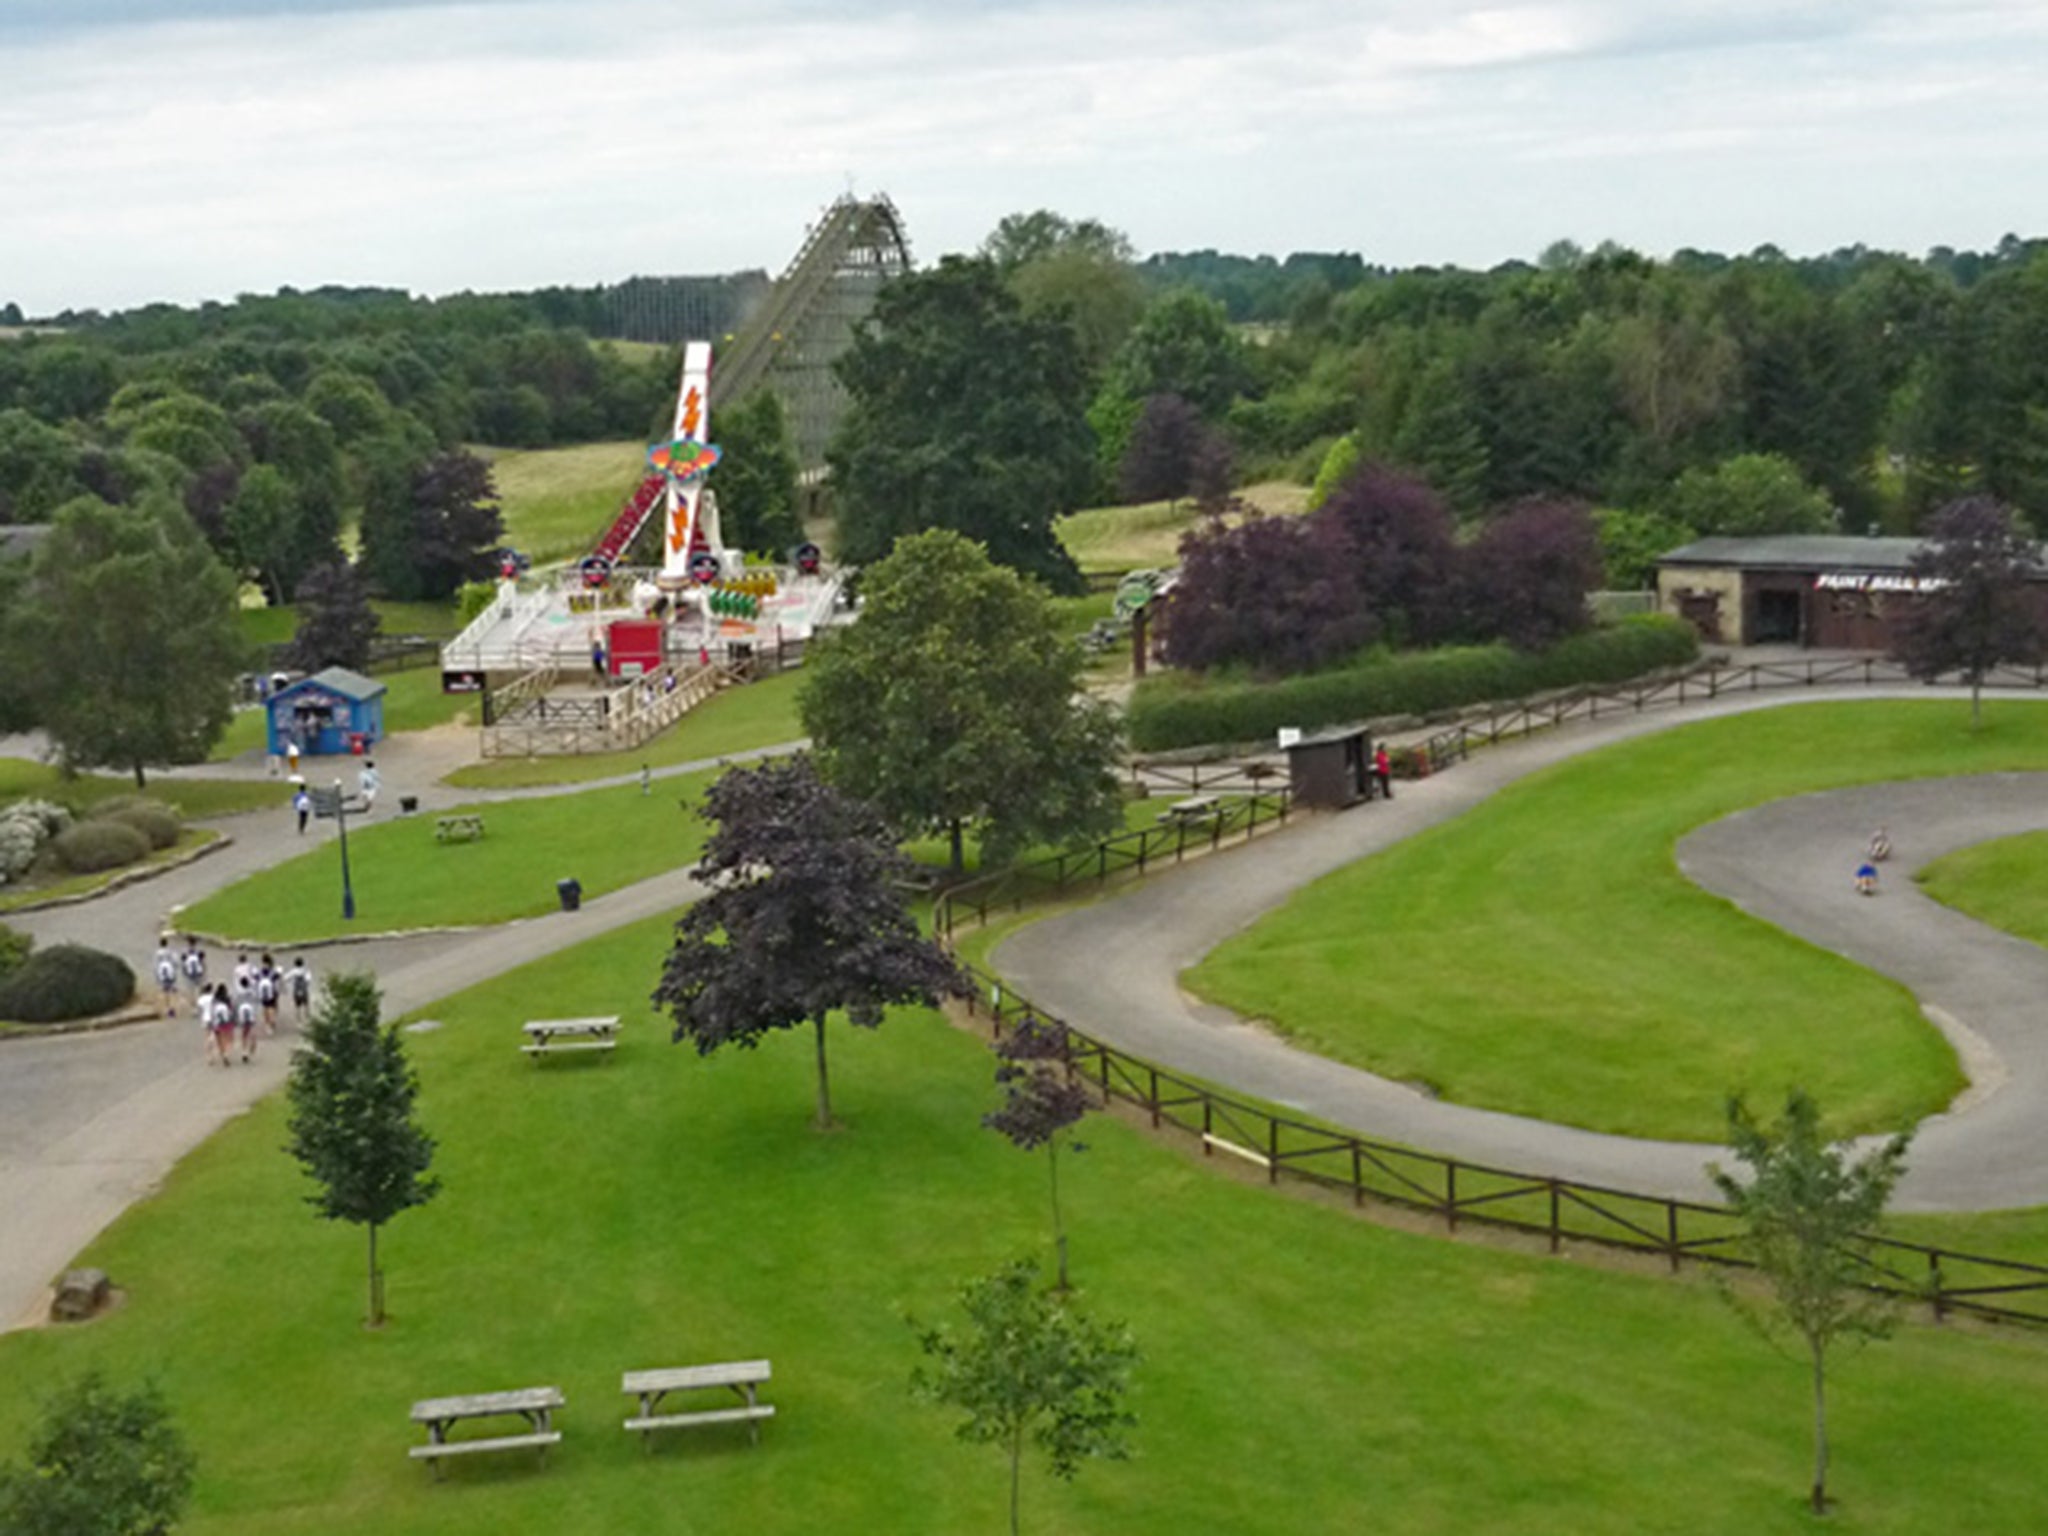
(125, 637)
(1749, 495)
(1527, 573)
(1808, 1211)
(963, 413)
(336, 621)
(802, 919)
(1977, 607)
(1041, 1102)
(103, 1462)
(351, 1098)
(1279, 594)
(1158, 462)
(756, 480)
(431, 524)
(1183, 345)
(954, 704)
(1029, 1366)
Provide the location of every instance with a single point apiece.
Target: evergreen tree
(756, 482)
(351, 1098)
(336, 621)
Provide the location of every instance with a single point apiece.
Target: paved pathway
(1113, 970)
(91, 1123)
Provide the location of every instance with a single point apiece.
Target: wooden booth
(1328, 770)
(331, 713)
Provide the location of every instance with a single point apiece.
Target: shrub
(158, 823)
(14, 950)
(25, 826)
(66, 981)
(1176, 712)
(92, 846)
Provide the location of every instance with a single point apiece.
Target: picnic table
(440, 1414)
(544, 1037)
(1192, 812)
(458, 829)
(744, 1377)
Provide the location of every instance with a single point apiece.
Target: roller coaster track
(809, 317)
(792, 340)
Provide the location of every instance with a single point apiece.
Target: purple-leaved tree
(1040, 1102)
(1404, 550)
(802, 919)
(1527, 573)
(1276, 593)
(1977, 606)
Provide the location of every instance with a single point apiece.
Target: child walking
(302, 988)
(167, 977)
(267, 982)
(218, 1018)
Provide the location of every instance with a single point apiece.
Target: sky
(190, 149)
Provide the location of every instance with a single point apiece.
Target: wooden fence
(1554, 1209)
(1126, 854)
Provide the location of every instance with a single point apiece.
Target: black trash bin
(571, 892)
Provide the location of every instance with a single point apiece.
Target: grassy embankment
(1542, 954)
(1302, 1370)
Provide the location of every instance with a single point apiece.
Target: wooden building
(1330, 769)
(1830, 592)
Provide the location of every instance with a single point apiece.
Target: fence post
(1208, 1123)
(1357, 1173)
(1671, 1231)
(1934, 1285)
(1451, 1195)
(1556, 1227)
(1273, 1150)
(1153, 1093)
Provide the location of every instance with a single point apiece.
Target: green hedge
(1170, 712)
(87, 847)
(65, 981)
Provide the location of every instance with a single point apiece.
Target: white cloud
(439, 146)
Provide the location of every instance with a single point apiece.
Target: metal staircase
(633, 515)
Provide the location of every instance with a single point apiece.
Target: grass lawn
(559, 501)
(413, 701)
(1148, 534)
(14, 897)
(2003, 882)
(1543, 955)
(1302, 1371)
(195, 799)
(276, 626)
(759, 714)
(403, 878)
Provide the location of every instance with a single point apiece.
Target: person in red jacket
(1383, 770)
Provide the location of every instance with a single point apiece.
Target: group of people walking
(231, 1012)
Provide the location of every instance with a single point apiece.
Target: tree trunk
(959, 848)
(1059, 1231)
(824, 1082)
(376, 1307)
(1976, 703)
(1820, 1431)
(138, 777)
(1016, 1472)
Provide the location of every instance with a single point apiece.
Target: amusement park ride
(597, 656)
(600, 655)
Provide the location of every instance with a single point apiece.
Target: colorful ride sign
(684, 459)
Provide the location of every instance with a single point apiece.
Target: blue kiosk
(332, 713)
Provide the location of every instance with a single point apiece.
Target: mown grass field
(1543, 955)
(2003, 882)
(1303, 1371)
(195, 799)
(762, 714)
(58, 887)
(557, 502)
(1148, 533)
(276, 626)
(403, 878)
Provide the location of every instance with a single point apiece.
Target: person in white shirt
(368, 783)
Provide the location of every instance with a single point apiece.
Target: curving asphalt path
(1113, 969)
(89, 1124)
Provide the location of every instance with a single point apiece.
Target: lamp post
(348, 894)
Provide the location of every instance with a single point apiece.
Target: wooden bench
(440, 1414)
(545, 1037)
(1191, 812)
(744, 1377)
(458, 829)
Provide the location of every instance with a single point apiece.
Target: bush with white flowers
(26, 826)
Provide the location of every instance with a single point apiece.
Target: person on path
(302, 802)
(267, 987)
(291, 754)
(646, 780)
(302, 987)
(193, 963)
(1383, 770)
(245, 1021)
(1880, 846)
(597, 661)
(217, 1018)
(242, 971)
(167, 977)
(1866, 879)
(369, 782)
